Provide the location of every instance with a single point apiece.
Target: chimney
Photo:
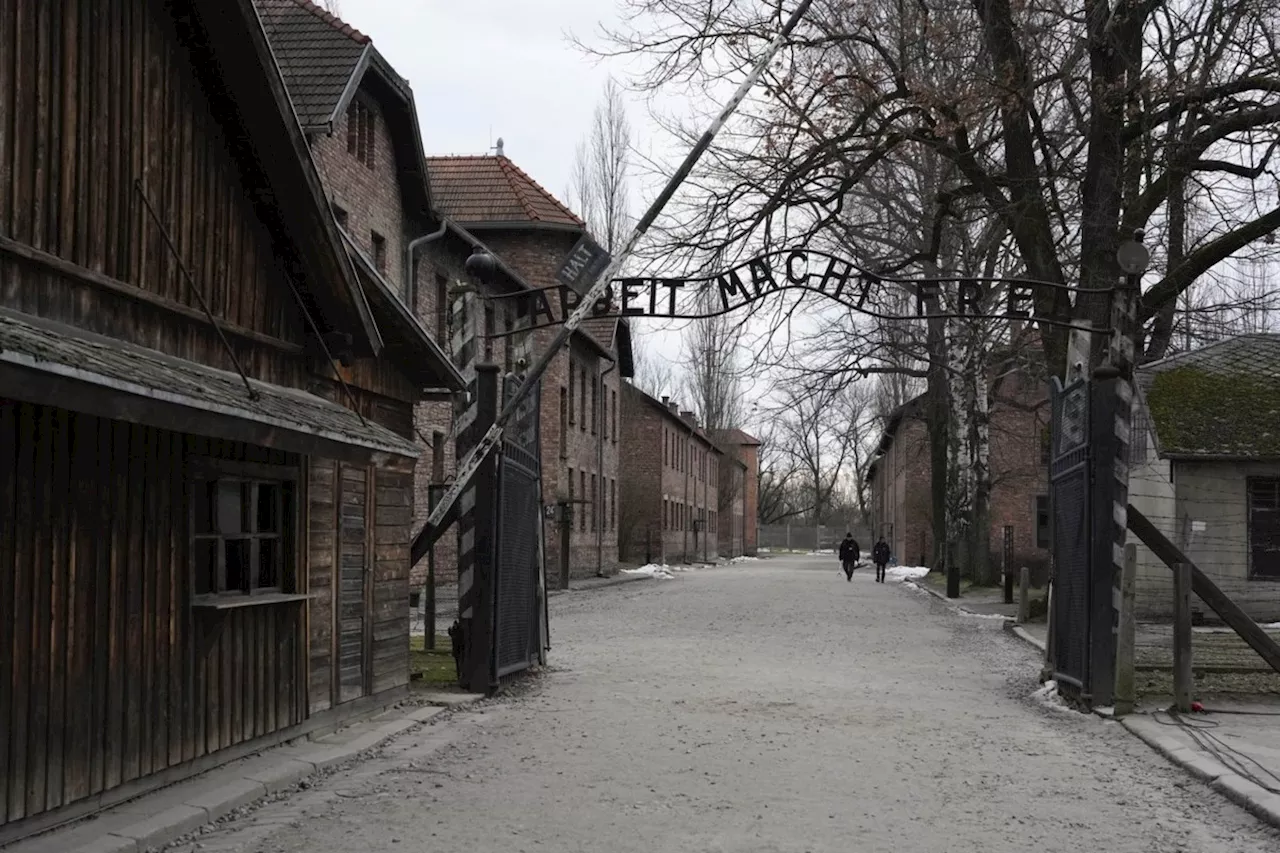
(671, 407)
(666, 401)
(688, 418)
(498, 147)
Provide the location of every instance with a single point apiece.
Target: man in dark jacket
(880, 556)
(849, 555)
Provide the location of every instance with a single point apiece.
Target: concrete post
(1024, 595)
(1125, 697)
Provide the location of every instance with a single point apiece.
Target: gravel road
(765, 707)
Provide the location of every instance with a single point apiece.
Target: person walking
(850, 553)
(880, 556)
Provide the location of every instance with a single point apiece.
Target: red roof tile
(486, 189)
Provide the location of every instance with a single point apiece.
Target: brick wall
(672, 473)
(370, 197)
(901, 500)
(751, 499)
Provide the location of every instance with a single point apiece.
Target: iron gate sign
(692, 298)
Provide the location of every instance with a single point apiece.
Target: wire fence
(808, 537)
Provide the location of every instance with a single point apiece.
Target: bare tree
(654, 374)
(1070, 125)
(712, 367)
(600, 171)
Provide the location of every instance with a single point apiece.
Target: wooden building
(206, 413)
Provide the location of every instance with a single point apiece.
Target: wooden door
(352, 603)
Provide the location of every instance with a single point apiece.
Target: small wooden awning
(57, 365)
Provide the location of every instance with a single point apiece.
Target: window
(582, 397)
(442, 307)
(379, 244)
(1263, 497)
(595, 402)
(582, 481)
(614, 395)
(613, 504)
(564, 426)
(666, 515)
(595, 512)
(437, 456)
(242, 535)
(340, 216)
(604, 420)
(360, 132)
(1042, 521)
(572, 390)
(571, 506)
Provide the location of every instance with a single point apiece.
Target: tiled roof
(1222, 400)
(740, 438)
(53, 348)
(317, 54)
(480, 190)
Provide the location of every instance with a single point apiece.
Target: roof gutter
(411, 286)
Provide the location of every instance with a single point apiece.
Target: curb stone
(1254, 799)
(168, 814)
(1023, 634)
(604, 583)
(950, 602)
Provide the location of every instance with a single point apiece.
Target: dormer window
(360, 121)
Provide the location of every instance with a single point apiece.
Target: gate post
(479, 673)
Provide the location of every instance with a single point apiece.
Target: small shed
(1206, 470)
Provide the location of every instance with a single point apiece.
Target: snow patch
(823, 551)
(906, 573)
(653, 570)
(736, 560)
(973, 615)
(1048, 697)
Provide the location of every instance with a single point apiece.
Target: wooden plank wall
(392, 534)
(352, 616)
(323, 542)
(107, 96)
(106, 675)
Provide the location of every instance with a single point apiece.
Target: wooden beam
(84, 275)
(1259, 640)
(1182, 675)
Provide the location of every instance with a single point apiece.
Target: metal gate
(517, 625)
(1082, 496)
(1070, 523)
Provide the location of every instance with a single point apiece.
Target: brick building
(532, 233)
(671, 471)
(739, 494)
(361, 125)
(900, 480)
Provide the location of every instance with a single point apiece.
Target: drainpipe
(410, 286)
(603, 412)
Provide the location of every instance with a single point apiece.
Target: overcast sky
(484, 69)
